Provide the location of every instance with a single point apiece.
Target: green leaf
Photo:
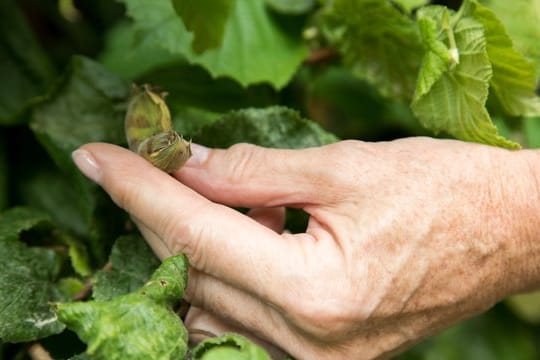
(127, 55)
(139, 325)
(531, 129)
(514, 78)
(254, 48)
(521, 19)
(453, 86)
(276, 127)
(3, 175)
(40, 189)
(526, 306)
(229, 346)
(190, 85)
(378, 42)
(350, 108)
(291, 7)
(26, 281)
(25, 71)
(132, 263)
(410, 5)
(16, 220)
(70, 286)
(495, 335)
(206, 19)
(80, 357)
(77, 251)
(26, 218)
(87, 105)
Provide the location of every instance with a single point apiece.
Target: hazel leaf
(229, 347)
(132, 264)
(514, 77)
(138, 325)
(379, 43)
(255, 48)
(27, 281)
(206, 19)
(453, 83)
(275, 126)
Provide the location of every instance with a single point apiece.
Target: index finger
(217, 239)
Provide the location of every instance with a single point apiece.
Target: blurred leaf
(189, 120)
(78, 253)
(87, 105)
(206, 19)
(54, 193)
(254, 48)
(531, 128)
(526, 306)
(514, 78)
(69, 287)
(410, 5)
(521, 19)
(3, 174)
(451, 93)
(139, 325)
(277, 127)
(26, 281)
(495, 335)
(190, 85)
(132, 261)
(25, 70)
(229, 347)
(351, 108)
(291, 7)
(127, 55)
(378, 42)
(81, 357)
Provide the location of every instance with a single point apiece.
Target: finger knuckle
(243, 161)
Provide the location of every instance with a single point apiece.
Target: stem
(321, 56)
(36, 351)
(87, 287)
(454, 52)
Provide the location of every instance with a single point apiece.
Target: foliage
(126, 326)
(236, 71)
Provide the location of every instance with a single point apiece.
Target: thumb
(253, 176)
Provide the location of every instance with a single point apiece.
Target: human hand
(404, 239)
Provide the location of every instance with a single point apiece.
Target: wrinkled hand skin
(405, 238)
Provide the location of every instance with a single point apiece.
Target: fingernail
(86, 164)
(199, 154)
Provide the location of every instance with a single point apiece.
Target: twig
(36, 351)
(87, 287)
(321, 56)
